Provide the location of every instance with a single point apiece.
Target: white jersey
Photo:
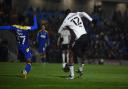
(74, 22)
(65, 34)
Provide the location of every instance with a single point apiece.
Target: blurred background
(108, 40)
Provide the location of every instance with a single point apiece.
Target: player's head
(43, 27)
(67, 11)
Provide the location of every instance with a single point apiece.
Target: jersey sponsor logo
(42, 36)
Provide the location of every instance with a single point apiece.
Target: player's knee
(71, 61)
(29, 61)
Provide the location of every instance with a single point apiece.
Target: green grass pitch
(51, 76)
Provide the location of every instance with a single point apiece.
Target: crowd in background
(108, 38)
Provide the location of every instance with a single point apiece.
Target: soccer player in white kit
(64, 41)
(74, 23)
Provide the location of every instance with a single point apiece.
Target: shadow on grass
(66, 77)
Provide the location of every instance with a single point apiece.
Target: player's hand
(93, 24)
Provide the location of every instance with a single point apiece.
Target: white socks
(71, 70)
(63, 65)
(81, 64)
(63, 57)
(63, 60)
(81, 67)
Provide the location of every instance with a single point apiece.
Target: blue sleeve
(5, 27)
(35, 26)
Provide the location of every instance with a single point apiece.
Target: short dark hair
(67, 11)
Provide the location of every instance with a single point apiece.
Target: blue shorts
(26, 51)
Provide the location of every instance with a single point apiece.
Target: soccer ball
(66, 68)
(101, 61)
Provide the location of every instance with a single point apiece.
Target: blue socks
(28, 67)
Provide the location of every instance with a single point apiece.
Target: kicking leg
(71, 65)
(63, 59)
(81, 66)
(27, 69)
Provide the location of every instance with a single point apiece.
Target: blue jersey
(42, 39)
(22, 42)
(22, 36)
(22, 33)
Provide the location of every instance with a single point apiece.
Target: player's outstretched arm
(64, 24)
(61, 28)
(5, 27)
(34, 27)
(83, 14)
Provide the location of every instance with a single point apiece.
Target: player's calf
(26, 70)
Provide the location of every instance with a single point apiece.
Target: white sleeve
(83, 14)
(61, 27)
(69, 35)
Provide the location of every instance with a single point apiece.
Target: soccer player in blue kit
(22, 34)
(42, 40)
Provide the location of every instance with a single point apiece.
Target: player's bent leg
(63, 59)
(27, 69)
(28, 56)
(71, 75)
(71, 65)
(80, 62)
(81, 66)
(23, 74)
(28, 66)
(67, 55)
